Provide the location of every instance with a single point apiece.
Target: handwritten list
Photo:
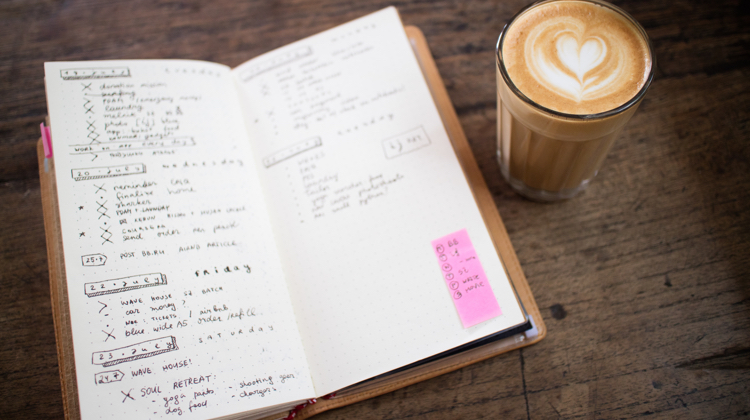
(165, 233)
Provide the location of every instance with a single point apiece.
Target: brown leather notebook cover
(368, 389)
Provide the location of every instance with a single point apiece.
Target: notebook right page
(361, 178)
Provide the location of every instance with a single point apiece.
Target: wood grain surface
(643, 280)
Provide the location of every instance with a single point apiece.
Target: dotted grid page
(177, 298)
(361, 178)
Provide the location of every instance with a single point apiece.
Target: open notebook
(240, 241)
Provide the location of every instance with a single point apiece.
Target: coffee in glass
(570, 74)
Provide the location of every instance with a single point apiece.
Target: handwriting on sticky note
(465, 278)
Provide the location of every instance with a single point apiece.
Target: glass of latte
(570, 74)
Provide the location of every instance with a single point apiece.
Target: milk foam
(576, 57)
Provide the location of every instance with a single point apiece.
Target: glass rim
(600, 115)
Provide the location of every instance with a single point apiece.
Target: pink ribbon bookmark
(46, 140)
(465, 278)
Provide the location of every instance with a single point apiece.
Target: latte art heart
(580, 60)
(576, 61)
(571, 68)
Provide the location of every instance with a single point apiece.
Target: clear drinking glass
(548, 155)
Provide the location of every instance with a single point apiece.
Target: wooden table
(642, 279)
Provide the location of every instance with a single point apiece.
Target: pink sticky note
(465, 278)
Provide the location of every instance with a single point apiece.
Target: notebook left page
(177, 299)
